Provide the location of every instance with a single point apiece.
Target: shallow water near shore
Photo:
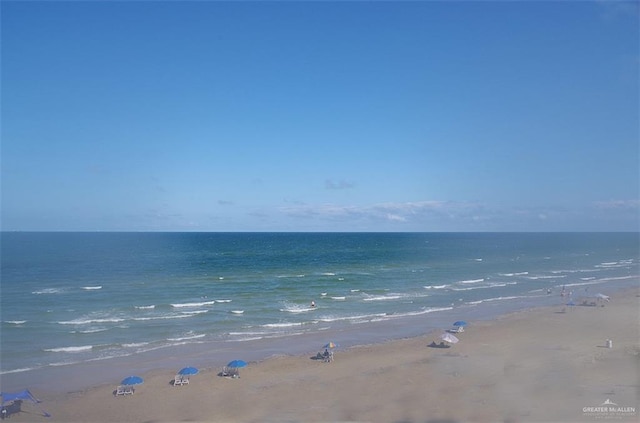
(84, 304)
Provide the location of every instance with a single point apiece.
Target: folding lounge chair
(177, 381)
(120, 390)
(230, 372)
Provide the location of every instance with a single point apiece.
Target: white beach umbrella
(447, 337)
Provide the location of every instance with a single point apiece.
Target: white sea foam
(297, 309)
(16, 322)
(514, 274)
(472, 281)
(267, 334)
(282, 325)
(380, 317)
(70, 349)
(195, 312)
(436, 286)
(473, 288)
(599, 281)
(223, 301)
(249, 333)
(339, 298)
(429, 310)
(91, 288)
(489, 286)
(619, 278)
(364, 317)
(200, 304)
(426, 310)
(149, 307)
(89, 321)
(169, 316)
(24, 369)
(135, 345)
(90, 330)
(534, 278)
(246, 339)
(383, 297)
(48, 291)
(187, 338)
(63, 363)
(499, 284)
(496, 299)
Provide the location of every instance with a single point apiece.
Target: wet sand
(547, 364)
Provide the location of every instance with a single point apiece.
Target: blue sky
(320, 116)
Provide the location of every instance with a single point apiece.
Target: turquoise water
(79, 299)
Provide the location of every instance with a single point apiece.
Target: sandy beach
(547, 364)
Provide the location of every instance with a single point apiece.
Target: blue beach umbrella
(132, 380)
(237, 363)
(460, 323)
(188, 371)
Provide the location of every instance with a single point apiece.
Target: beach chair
(232, 372)
(177, 381)
(184, 380)
(128, 390)
(120, 390)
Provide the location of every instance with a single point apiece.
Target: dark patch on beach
(440, 345)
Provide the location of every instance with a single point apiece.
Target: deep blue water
(73, 298)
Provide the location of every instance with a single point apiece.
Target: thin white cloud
(469, 216)
(341, 184)
(390, 211)
(621, 205)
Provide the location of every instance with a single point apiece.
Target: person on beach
(313, 303)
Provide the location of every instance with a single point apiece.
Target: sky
(320, 116)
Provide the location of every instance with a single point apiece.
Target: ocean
(79, 309)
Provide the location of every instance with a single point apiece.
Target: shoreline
(80, 376)
(534, 364)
